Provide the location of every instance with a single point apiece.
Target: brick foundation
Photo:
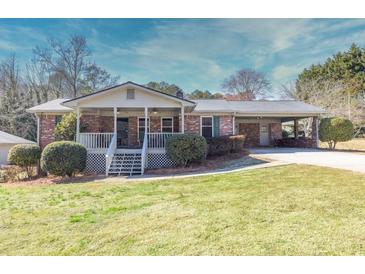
(252, 133)
(303, 142)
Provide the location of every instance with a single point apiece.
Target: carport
(262, 123)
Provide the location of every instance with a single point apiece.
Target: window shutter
(216, 126)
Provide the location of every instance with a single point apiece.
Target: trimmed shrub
(63, 158)
(25, 156)
(237, 142)
(184, 149)
(334, 130)
(225, 144)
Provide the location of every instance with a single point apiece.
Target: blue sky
(193, 53)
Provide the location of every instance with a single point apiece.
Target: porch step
(126, 164)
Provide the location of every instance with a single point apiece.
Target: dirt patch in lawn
(233, 160)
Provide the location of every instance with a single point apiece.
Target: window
(207, 127)
(141, 126)
(130, 94)
(167, 124)
(58, 119)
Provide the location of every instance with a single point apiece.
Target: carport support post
(315, 129)
(78, 124)
(295, 128)
(182, 119)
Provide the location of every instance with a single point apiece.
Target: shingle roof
(257, 107)
(6, 138)
(216, 105)
(51, 106)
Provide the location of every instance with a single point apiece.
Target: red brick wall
(155, 124)
(47, 125)
(192, 124)
(252, 133)
(226, 125)
(275, 132)
(133, 132)
(96, 123)
(176, 124)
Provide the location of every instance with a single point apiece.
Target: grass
(287, 210)
(354, 144)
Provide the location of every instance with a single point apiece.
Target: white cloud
(201, 53)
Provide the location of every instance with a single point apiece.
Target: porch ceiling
(129, 111)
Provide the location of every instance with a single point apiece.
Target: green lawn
(287, 210)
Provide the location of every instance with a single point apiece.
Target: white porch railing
(96, 140)
(110, 153)
(158, 140)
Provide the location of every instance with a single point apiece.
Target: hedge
(63, 158)
(184, 149)
(25, 156)
(225, 144)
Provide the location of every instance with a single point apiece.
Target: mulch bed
(80, 178)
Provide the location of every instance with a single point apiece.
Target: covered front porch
(97, 127)
(130, 138)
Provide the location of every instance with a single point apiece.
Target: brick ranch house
(111, 124)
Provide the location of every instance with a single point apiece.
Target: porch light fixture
(154, 111)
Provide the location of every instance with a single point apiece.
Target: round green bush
(184, 149)
(24, 155)
(63, 158)
(333, 130)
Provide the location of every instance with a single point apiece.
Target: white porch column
(77, 124)
(115, 124)
(145, 119)
(182, 119)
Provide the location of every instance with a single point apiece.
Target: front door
(264, 135)
(122, 132)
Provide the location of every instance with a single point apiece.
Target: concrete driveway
(343, 160)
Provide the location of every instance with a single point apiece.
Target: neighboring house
(7, 141)
(119, 141)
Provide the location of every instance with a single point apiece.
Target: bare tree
(69, 72)
(14, 101)
(330, 95)
(247, 84)
(96, 78)
(66, 59)
(43, 85)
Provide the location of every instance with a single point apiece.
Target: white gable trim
(128, 85)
